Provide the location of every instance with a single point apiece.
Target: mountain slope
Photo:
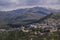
(21, 15)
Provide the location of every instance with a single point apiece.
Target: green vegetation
(19, 35)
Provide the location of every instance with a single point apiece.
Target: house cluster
(49, 25)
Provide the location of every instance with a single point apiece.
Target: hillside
(23, 16)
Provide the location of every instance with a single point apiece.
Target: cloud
(12, 4)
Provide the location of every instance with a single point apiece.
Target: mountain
(24, 15)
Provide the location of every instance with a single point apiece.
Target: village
(49, 25)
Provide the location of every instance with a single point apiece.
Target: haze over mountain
(6, 5)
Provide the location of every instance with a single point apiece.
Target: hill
(21, 15)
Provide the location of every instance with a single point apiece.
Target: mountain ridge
(19, 15)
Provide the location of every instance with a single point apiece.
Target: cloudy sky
(14, 4)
